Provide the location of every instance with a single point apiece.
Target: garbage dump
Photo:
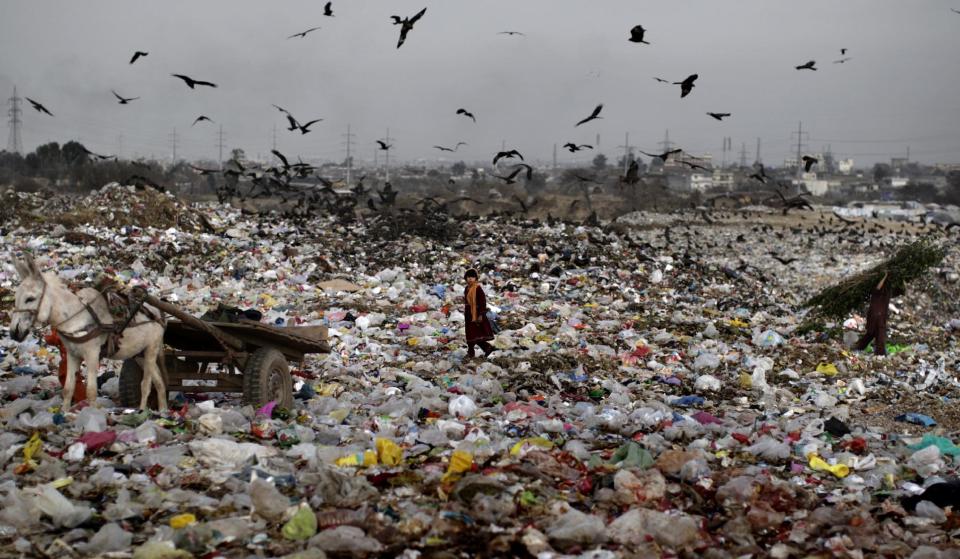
(655, 390)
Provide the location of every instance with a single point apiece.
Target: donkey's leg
(159, 382)
(91, 358)
(151, 377)
(70, 382)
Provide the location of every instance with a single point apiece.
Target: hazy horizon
(898, 89)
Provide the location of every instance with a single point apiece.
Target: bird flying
(305, 126)
(123, 100)
(593, 115)
(138, 54)
(511, 33)
(506, 155)
(636, 35)
(663, 156)
(809, 65)
(509, 179)
(842, 60)
(406, 25)
(466, 113)
(39, 108)
(454, 148)
(303, 34)
(328, 9)
(686, 86)
(809, 162)
(192, 82)
(383, 145)
(719, 116)
(573, 148)
(201, 118)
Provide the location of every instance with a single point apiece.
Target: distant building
(723, 179)
(845, 166)
(895, 182)
(700, 182)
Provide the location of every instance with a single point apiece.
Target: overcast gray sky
(901, 86)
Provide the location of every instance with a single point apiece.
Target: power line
(800, 144)
(173, 141)
(349, 142)
(220, 145)
(14, 143)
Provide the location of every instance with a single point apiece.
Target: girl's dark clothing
(478, 329)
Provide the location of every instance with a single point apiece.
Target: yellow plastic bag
(302, 526)
(182, 521)
(461, 461)
(365, 458)
(821, 465)
(525, 445)
(828, 369)
(30, 450)
(389, 453)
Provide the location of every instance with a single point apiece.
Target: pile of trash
(650, 394)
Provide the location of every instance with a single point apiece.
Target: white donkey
(84, 323)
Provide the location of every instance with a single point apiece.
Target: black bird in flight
(593, 115)
(304, 127)
(844, 51)
(809, 65)
(842, 60)
(528, 168)
(719, 116)
(686, 86)
(123, 101)
(138, 54)
(467, 113)
(573, 148)
(509, 179)
(406, 24)
(192, 82)
(782, 260)
(633, 173)
(636, 35)
(204, 172)
(40, 108)
(506, 155)
(328, 9)
(760, 175)
(955, 11)
(511, 33)
(201, 118)
(97, 155)
(694, 165)
(281, 109)
(661, 80)
(523, 205)
(454, 148)
(293, 123)
(809, 162)
(303, 34)
(663, 156)
(383, 145)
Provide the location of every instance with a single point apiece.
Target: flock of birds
(277, 178)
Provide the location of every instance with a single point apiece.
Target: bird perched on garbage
(38, 107)
(137, 55)
(636, 35)
(506, 155)
(191, 83)
(719, 116)
(406, 25)
(466, 113)
(123, 100)
(809, 162)
(573, 148)
(810, 65)
(594, 115)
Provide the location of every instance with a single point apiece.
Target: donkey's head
(32, 301)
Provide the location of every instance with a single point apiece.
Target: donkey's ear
(31, 267)
(22, 270)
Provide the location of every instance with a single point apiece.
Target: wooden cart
(249, 357)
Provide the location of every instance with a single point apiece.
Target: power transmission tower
(598, 143)
(554, 158)
(626, 152)
(666, 145)
(120, 146)
(349, 143)
(14, 143)
(743, 154)
(758, 161)
(173, 141)
(727, 146)
(220, 145)
(800, 145)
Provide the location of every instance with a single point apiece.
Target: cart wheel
(131, 373)
(267, 377)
